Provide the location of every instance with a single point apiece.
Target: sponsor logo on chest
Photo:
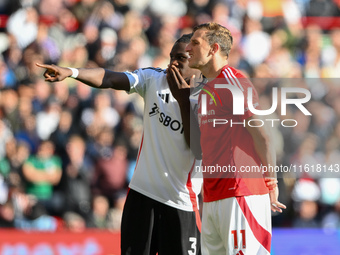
(165, 119)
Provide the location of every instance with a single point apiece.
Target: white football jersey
(165, 164)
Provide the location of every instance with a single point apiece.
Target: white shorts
(237, 226)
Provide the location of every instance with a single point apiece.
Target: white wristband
(75, 72)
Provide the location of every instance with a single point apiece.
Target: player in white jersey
(161, 210)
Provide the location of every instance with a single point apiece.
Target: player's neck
(213, 69)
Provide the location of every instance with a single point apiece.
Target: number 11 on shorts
(243, 238)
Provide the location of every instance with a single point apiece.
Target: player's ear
(214, 48)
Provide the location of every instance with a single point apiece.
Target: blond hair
(219, 34)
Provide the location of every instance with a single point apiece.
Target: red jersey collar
(221, 75)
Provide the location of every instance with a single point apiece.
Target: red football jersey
(227, 146)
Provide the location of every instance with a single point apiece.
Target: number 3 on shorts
(193, 246)
(243, 236)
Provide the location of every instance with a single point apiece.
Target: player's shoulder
(149, 72)
(232, 71)
(152, 78)
(237, 77)
(152, 70)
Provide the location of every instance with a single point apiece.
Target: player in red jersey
(236, 210)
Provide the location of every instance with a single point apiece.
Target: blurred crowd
(67, 151)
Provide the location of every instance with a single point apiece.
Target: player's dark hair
(184, 38)
(217, 33)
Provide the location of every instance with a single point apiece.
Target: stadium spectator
(61, 136)
(17, 152)
(74, 222)
(35, 218)
(42, 171)
(74, 187)
(307, 215)
(331, 221)
(7, 215)
(23, 24)
(109, 178)
(9, 105)
(5, 135)
(100, 217)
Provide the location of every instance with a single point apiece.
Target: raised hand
(55, 73)
(179, 87)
